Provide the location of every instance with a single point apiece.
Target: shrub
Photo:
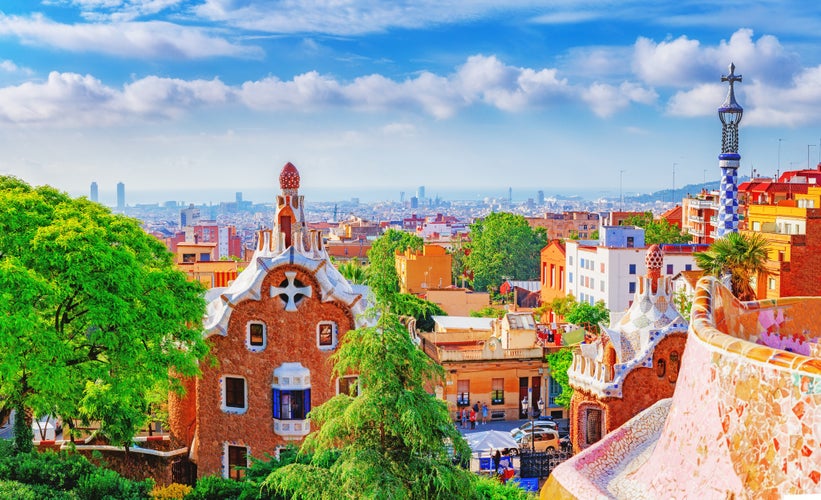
(173, 491)
(60, 471)
(13, 490)
(216, 488)
(107, 484)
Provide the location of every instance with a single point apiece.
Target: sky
(367, 96)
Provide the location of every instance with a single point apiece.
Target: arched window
(661, 367)
(675, 364)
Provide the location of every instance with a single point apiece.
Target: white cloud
(118, 10)
(702, 100)
(605, 99)
(796, 105)
(399, 129)
(683, 62)
(143, 40)
(10, 67)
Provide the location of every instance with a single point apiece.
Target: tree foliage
(94, 312)
(354, 272)
(393, 439)
(559, 363)
(742, 256)
(657, 232)
(588, 316)
(503, 246)
(489, 312)
(382, 276)
(406, 304)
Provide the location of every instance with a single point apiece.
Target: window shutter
(306, 402)
(275, 398)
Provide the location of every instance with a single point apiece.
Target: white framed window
(234, 394)
(291, 398)
(348, 384)
(326, 332)
(234, 461)
(256, 336)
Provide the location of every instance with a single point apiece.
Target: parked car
(538, 440)
(536, 424)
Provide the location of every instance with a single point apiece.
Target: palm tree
(741, 256)
(354, 272)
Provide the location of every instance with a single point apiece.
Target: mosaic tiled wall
(745, 420)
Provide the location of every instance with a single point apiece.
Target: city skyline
(207, 95)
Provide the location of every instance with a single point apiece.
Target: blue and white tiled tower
(730, 114)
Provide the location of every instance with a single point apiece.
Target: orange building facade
(553, 261)
(567, 224)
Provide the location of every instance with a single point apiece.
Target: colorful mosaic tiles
(744, 422)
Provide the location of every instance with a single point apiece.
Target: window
(205, 257)
(326, 335)
(582, 264)
(669, 268)
(592, 283)
(348, 385)
(463, 393)
(554, 391)
(771, 283)
(631, 287)
(237, 457)
(234, 395)
(601, 266)
(570, 260)
(632, 269)
(188, 258)
(688, 267)
(570, 277)
(256, 338)
(497, 394)
(601, 285)
(291, 397)
(594, 425)
(630, 242)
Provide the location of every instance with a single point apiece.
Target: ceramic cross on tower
(292, 291)
(732, 77)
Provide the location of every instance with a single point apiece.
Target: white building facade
(610, 269)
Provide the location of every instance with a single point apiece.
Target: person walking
(484, 413)
(472, 419)
(464, 417)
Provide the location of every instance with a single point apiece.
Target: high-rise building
(120, 196)
(730, 114)
(239, 197)
(94, 193)
(540, 197)
(420, 192)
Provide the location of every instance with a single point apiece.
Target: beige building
(458, 301)
(420, 271)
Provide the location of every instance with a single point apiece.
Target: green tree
(742, 256)
(489, 312)
(657, 232)
(393, 439)
(559, 363)
(354, 272)
(383, 279)
(95, 313)
(503, 245)
(406, 304)
(588, 316)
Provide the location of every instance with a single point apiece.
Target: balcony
(480, 354)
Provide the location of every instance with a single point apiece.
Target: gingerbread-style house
(633, 364)
(271, 333)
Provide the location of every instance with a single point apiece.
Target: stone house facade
(272, 332)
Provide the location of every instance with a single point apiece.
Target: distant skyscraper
(94, 194)
(540, 197)
(730, 114)
(402, 197)
(414, 202)
(120, 196)
(239, 197)
(420, 192)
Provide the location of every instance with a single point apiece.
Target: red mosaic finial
(289, 177)
(654, 261)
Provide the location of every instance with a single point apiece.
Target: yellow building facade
(421, 271)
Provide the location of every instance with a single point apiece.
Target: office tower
(540, 197)
(420, 192)
(239, 197)
(402, 197)
(120, 196)
(94, 194)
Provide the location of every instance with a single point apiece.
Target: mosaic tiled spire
(730, 114)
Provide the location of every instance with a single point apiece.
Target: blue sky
(361, 95)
